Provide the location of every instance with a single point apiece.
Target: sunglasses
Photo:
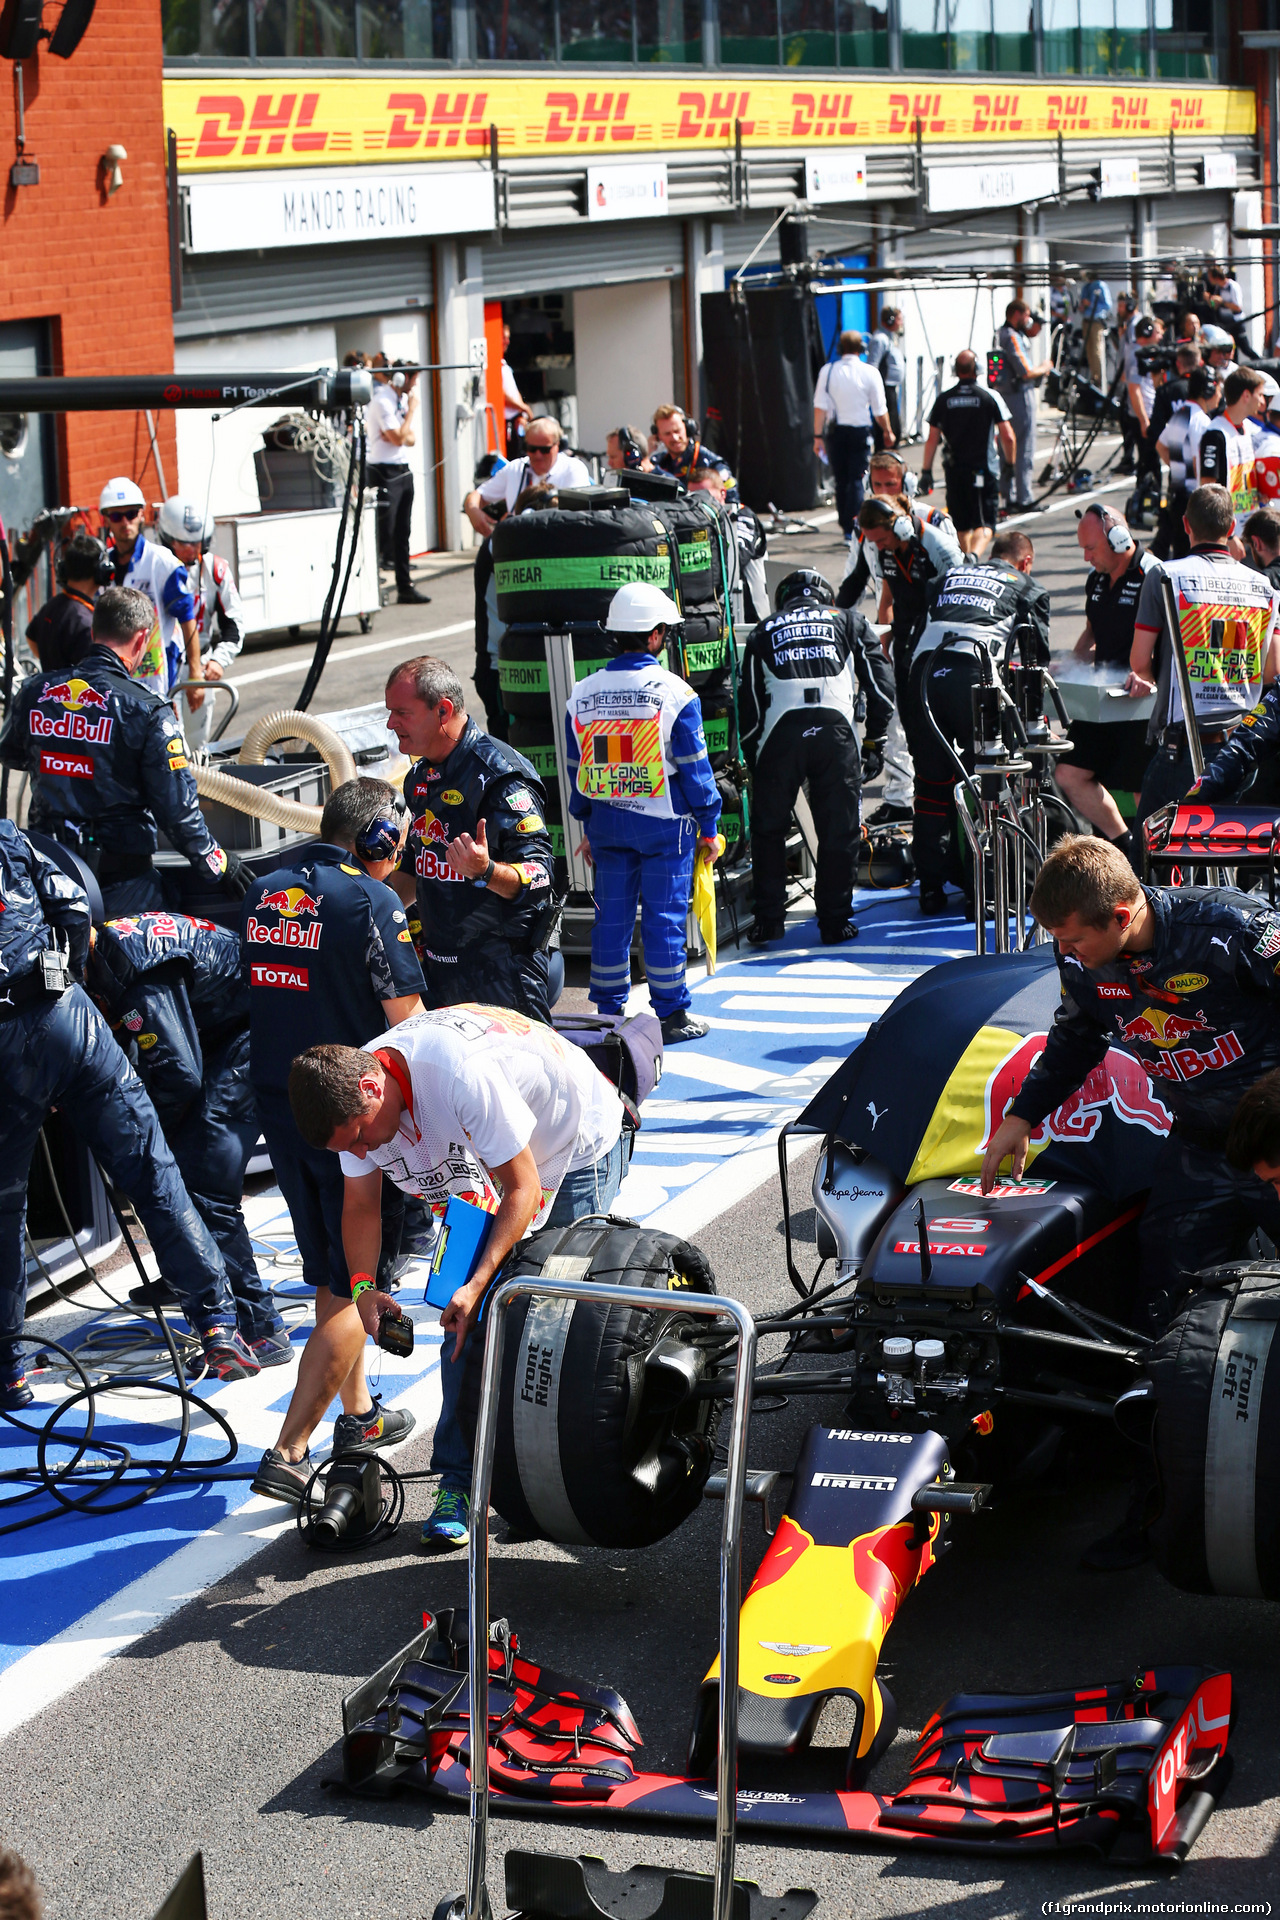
(539, 446)
(124, 513)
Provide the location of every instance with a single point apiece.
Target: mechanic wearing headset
(681, 450)
(326, 951)
(647, 816)
(980, 607)
(802, 671)
(187, 532)
(913, 559)
(61, 631)
(153, 570)
(56, 1050)
(477, 864)
(1115, 754)
(109, 764)
(1186, 985)
(174, 993)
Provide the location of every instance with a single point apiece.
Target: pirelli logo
(857, 1482)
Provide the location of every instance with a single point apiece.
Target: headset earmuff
(904, 527)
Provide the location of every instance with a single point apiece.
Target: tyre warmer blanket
(1130, 1770)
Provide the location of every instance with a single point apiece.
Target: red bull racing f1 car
(959, 1335)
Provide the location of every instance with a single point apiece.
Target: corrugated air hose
(286, 723)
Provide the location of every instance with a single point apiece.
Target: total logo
(295, 906)
(962, 1249)
(297, 979)
(85, 716)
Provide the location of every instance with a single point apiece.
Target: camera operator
(969, 421)
(980, 607)
(802, 672)
(1225, 455)
(188, 533)
(681, 448)
(1022, 375)
(56, 1050)
(1262, 544)
(392, 419)
(62, 629)
(150, 568)
(1115, 754)
(543, 1133)
(847, 400)
(1227, 628)
(109, 764)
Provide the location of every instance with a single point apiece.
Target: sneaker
(888, 815)
(15, 1394)
(380, 1427)
(227, 1356)
(281, 1479)
(273, 1350)
(154, 1293)
(835, 936)
(762, 932)
(410, 597)
(448, 1525)
(933, 900)
(683, 1026)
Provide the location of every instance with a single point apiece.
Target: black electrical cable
(330, 614)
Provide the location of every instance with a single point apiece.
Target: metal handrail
(644, 1300)
(213, 686)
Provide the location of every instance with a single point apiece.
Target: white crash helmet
(121, 492)
(181, 519)
(639, 608)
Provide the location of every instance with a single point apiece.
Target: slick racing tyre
(539, 742)
(563, 569)
(599, 1442)
(524, 684)
(1216, 1374)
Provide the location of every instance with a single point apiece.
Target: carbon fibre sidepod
(846, 1553)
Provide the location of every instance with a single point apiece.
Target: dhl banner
(290, 121)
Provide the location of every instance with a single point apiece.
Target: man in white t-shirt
(543, 465)
(391, 421)
(848, 398)
(474, 1102)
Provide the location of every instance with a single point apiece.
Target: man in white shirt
(391, 420)
(1221, 291)
(543, 464)
(472, 1102)
(515, 407)
(848, 398)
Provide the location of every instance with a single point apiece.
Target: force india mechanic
(109, 765)
(1185, 983)
(981, 608)
(802, 671)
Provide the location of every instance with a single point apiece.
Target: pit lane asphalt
(220, 1728)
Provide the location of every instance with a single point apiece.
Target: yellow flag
(704, 899)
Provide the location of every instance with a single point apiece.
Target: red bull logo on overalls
(85, 714)
(431, 834)
(294, 905)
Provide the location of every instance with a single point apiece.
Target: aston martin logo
(794, 1650)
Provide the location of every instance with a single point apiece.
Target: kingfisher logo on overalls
(621, 759)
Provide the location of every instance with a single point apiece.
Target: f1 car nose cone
(792, 1650)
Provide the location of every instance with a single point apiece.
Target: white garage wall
(215, 462)
(622, 356)
(945, 319)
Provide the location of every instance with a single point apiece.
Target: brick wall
(96, 268)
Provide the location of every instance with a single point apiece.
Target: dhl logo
(335, 120)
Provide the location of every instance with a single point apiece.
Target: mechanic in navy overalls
(56, 1050)
(328, 957)
(174, 992)
(478, 858)
(108, 763)
(646, 799)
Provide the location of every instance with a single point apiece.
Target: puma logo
(1215, 940)
(876, 1118)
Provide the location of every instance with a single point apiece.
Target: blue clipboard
(459, 1245)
